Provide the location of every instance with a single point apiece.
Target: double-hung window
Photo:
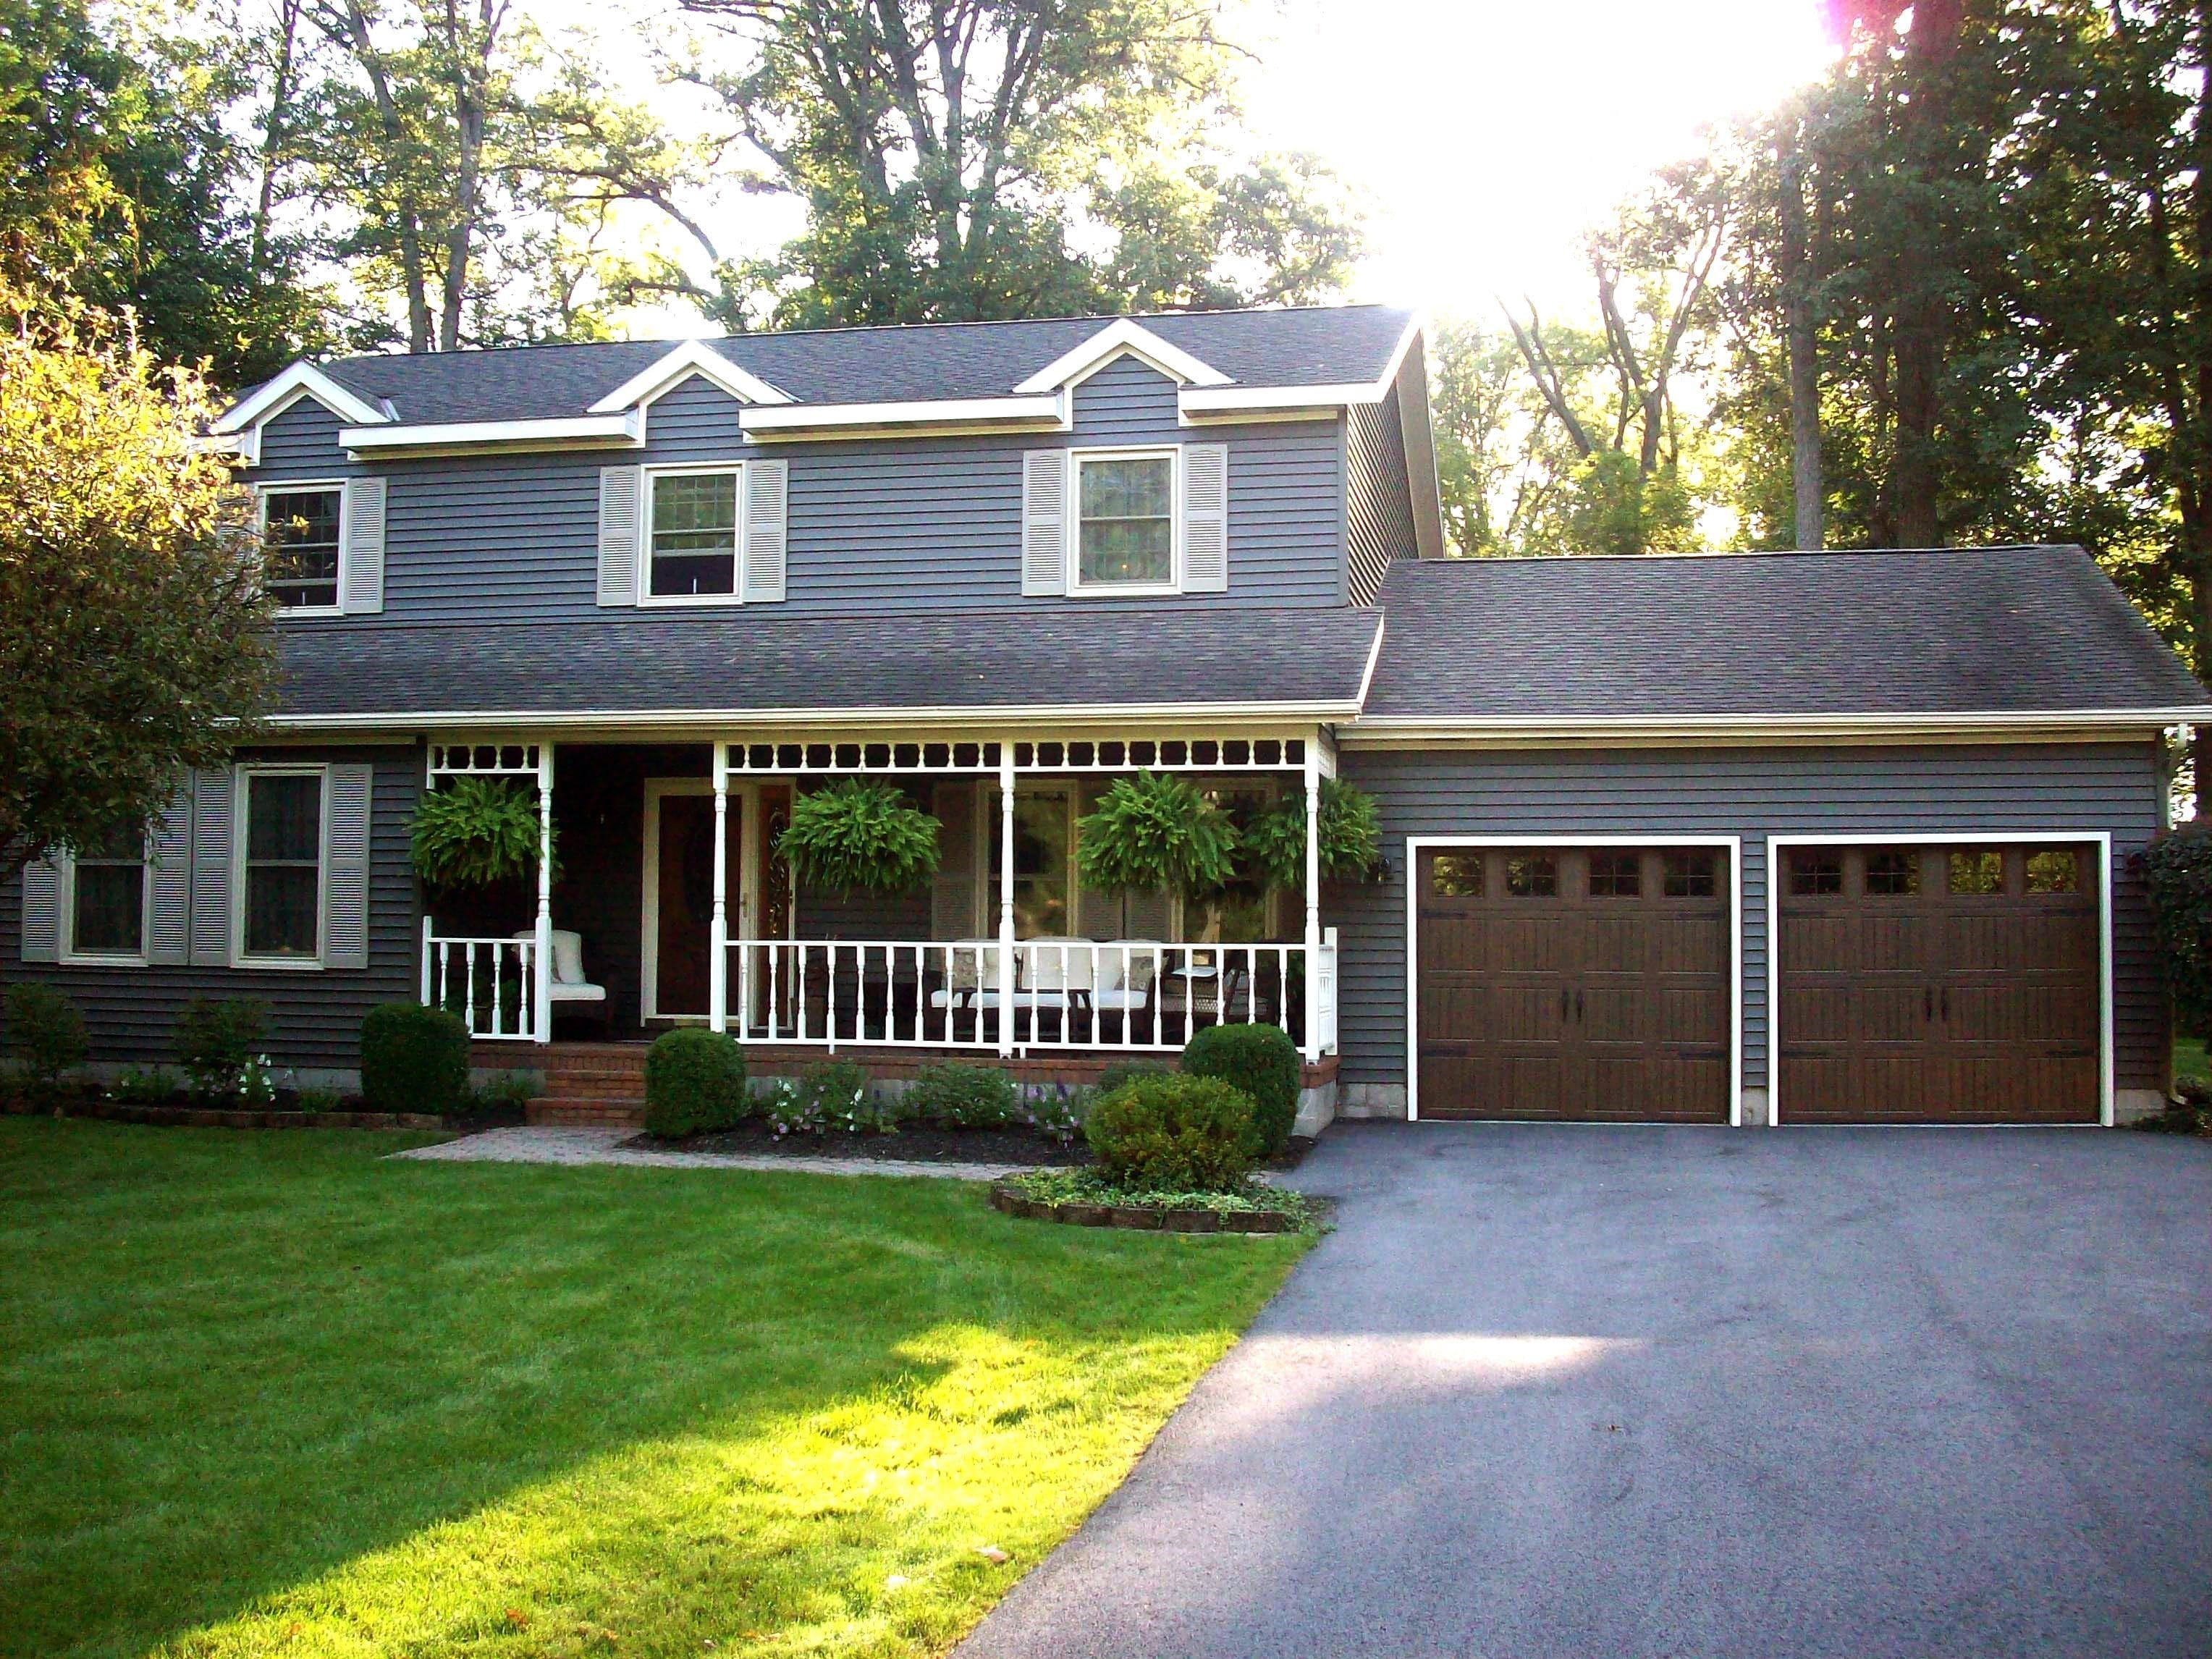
(281, 865)
(1125, 521)
(691, 534)
(105, 912)
(302, 544)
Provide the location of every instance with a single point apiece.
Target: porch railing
(491, 983)
(1108, 994)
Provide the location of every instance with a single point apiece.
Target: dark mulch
(914, 1143)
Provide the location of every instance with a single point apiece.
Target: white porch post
(1313, 984)
(542, 990)
(718, 931)
(1006, 898)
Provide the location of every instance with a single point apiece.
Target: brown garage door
(1938, 985)
(1587, 983)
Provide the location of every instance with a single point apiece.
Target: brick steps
(600, 1085)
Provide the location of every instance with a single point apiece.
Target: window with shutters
(303, 545)
(1123, 531)
(104, 897)
(691, 535)
(280, 844)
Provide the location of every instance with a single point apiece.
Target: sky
(1483, 136)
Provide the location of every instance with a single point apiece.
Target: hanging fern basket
(860, 836)
(1154, 832)
(476, 832)
(1273, 846)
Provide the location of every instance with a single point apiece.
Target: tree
(964, 160)
(133, 634)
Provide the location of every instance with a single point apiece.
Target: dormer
(239, 429)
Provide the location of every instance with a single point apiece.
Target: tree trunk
(1806, 488)
(1921, 340)
(272, 135)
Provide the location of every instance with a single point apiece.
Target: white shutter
(621, 489)
(345, 892)
(768, 486)
(362, 595)
(1044, 522)
(42, 910)
(213, 791)
(169, 926)
(1206, 517)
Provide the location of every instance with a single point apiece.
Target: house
(1738, 839)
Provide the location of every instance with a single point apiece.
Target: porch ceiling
(1291, 662)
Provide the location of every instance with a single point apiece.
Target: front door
(679, 888)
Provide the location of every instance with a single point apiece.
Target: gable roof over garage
(2033, 635)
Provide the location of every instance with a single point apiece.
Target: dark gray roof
(2006, 629)
(658, 663)
(1313, 347)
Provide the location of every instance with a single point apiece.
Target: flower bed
(1082, 1198)
(219, 1117)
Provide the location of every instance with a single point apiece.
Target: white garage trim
(2099, 839)
(1417, 845)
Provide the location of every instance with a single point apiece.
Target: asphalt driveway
(1623, 1391)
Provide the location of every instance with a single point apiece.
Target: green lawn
(263, 1393)
(2188, 1058)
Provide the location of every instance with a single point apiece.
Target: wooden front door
(1585, 983)
(1938, 984)
(680, 878)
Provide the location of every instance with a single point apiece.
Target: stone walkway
(548, 1144)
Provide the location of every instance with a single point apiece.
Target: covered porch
(667, 903)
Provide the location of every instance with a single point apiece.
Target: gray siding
(882, 526)
(314, 1017)
(1378, 502)
(1752, 794)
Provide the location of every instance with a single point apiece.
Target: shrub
(46, 1032)
(215, 1039)
(2177, 873)
(1128, 1070)
(966, 1097)
(859, 835)
(476, 831)
(138, 1087)
(831, 1095)
(315, 1102)
(414, 1059)
(1192, 1133)
(1154, 831)
(694, 1083)
(506, 1091)
(1262, 1061)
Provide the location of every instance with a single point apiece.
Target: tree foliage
(963, 160)
(2178, 876)
(133, 632)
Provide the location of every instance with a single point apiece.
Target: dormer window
(692, 551)
(1125, 523)
(302, 536)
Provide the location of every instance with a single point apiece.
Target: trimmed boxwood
(1183, 1134)
(414, 1059)
(695, 1082)
(1262, 1061)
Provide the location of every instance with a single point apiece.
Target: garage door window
(1979, 872)
(1894, 875)
(1690, 875)
(1616, 875)
(1532, 878)
(2054, 870)
(1812, 874)
(1457, 875)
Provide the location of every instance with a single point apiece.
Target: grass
(264, 1394)
(2189, 1059)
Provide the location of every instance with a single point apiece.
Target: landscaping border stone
(217, 1117)
(1145, 1217)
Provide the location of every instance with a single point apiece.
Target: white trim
(895, 715)
(1374, 658)
(2100, 839)
(687, 358)
(646, 600)
(241, 832)
(1205, 406)
(1416, 845)
(263, 489)
(300, 380)
(1376, 730)
(66, 954)
(1124, 337)
(938, 416)
(1079, 589)
(558, 432)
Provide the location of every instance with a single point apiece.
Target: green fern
(1152, 831)
(859, 835)
(1273, 846)
(476, 831)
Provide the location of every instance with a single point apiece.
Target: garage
(1953, 984)
(1574, 983)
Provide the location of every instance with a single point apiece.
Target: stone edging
(199, 1117)
(1144, 1217)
